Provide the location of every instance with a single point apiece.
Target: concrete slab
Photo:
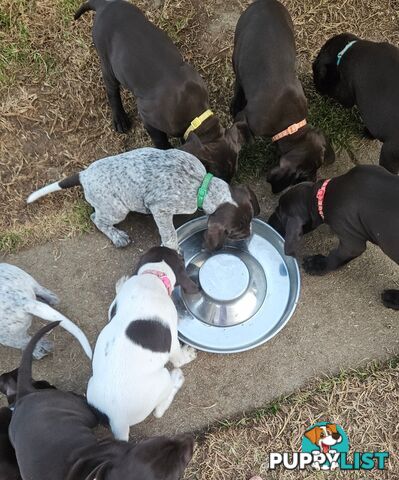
(339, 323)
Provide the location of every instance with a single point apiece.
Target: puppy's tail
(44, 311)
(86, 7)
(24, 382)
(69, 182)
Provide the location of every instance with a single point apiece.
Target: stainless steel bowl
(249, 289)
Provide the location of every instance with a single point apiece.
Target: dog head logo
(326, 438)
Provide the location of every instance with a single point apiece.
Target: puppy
(51, 432)
(269, 95)
(9, 469)
(359, 206)
(21, 296)
(324, 437)
(172, 99)
(363, 73)
(164, 183)
(8, 463)
(141, 334)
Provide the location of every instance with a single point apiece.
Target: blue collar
(344, 50)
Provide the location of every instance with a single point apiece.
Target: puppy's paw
(121, 122)
(120, 239)
(43, 348)
(390, 298)
(177, 378)
(187, 355)
(315, 264)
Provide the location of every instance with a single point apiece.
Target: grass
(365, 402)
(71, 221)
(54, 115)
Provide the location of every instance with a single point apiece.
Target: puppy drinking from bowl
(129, 378)
(360, 206)
(172, 98)
(164, 183)
(269, 95)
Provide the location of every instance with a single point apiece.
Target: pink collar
(162, 276)
(321, 193)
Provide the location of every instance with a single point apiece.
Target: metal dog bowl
(248, 290)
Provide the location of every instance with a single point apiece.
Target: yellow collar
(197, 122)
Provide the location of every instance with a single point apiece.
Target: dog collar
(162, 276)
(321, 193)
(203, 190)
(344, 50)
(290, 130)
(198, 121)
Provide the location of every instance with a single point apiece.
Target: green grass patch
(79, 216)
(10, 241)
(69, 222)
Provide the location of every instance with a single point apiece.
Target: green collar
(203, 190)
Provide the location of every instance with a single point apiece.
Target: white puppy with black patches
(129, 379)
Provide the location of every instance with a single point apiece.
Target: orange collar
(290, 130)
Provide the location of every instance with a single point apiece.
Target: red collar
(321, 193)
(162, 276)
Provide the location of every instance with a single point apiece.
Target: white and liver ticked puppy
(129, 379)
(21, 297)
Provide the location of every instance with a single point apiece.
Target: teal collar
(203, 190)
(344, 50)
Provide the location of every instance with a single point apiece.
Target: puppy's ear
(325, 74)
(274, 222)
(8, 385)
(329, 154)
(193, 144)
(254, 202)
(313, 435)
(186, 447)
(218, 227)
(182, 277)
(240, 132)
(293, 235)
(280, 178)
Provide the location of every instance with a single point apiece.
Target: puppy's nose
(336, 436)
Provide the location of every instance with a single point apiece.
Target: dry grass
(365, 403)
(54, 118)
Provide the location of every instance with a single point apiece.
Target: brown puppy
(9, 469)
(51, 432)
(360, 206)
(170, 93)
(269, 95)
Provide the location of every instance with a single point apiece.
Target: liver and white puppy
(130, 379)
(21, 296)
(270, 96)
(170, 93)
(9, 469)
(359, 206)
(164, 183)
(51, 432)
(363, 73)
